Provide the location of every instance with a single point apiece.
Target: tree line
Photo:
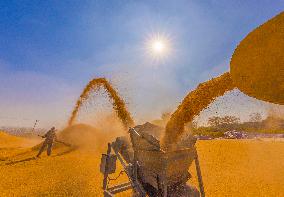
(216, 125)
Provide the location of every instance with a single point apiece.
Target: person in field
(50, 137)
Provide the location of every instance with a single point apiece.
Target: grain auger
(151, 171)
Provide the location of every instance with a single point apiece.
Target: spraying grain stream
(256, 68)
(117, 102)
(230, 167)
(193, 104)
(249, 72)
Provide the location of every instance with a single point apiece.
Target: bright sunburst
(158, 46)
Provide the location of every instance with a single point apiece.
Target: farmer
(50, 136)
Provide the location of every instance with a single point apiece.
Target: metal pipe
(199, 176)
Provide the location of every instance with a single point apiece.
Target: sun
(158, 46)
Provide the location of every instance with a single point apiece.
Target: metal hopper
(151, 170)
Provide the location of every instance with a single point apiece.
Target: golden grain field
(229, 167)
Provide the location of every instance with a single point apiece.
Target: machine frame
(108, 166)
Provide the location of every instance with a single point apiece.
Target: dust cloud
(96, 137)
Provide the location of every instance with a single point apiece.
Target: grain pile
(85, 136)
(249, 168)
(257, 65)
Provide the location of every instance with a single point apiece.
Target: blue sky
(50, 49)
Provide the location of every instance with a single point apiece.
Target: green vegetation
(217, 126)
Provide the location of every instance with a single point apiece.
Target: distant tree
(214, 121)
(255, 117)
(229, 120)
(223, 122)
(166, 116)
(273, 123)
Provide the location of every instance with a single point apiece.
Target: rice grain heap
(257, 65)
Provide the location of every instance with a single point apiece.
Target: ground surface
(229, 167)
